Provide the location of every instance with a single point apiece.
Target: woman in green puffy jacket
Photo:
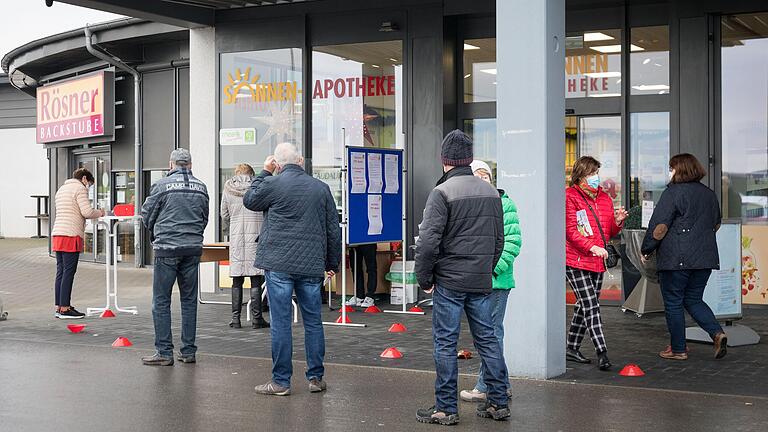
(503, 278)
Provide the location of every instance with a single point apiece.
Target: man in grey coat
(301, 241)
(460, 241)
(176, 214)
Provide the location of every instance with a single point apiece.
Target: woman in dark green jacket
(503, 278)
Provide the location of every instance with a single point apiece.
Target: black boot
(237, 301)
(602, 361)
(235, 323)
(576, 356)
(257, 319)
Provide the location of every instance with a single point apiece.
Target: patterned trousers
(586, 316)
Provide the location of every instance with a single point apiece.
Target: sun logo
(236, 84)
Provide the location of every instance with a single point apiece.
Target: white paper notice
(375, 223)
(357, 171)
(121, 196)
(390, 174)
(375, 180)
(647, 213)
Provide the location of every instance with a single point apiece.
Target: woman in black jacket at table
(682, 233)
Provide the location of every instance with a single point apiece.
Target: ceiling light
(468, 47)
(613, 49)
(596, 36)
(646, 61)
(651, 87)
(467, 75)
(376, 66)
(489, 71)
(605, 95)
(393, 59)
(603, 74)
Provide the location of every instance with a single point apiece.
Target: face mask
(671, 174)
(593, 181)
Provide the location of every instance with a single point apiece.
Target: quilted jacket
(503, 277)
(244, 227)
(578, 243)
(462, 235)
(301, 233)
(683, 228)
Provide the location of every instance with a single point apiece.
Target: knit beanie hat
(456, 149)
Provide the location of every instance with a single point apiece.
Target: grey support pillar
(530, 48)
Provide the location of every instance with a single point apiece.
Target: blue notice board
(375, 195)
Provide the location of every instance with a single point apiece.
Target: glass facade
(600, 137)
(649, 156)
(744, 84)
(479, 70)
(649, 60)
(593, 64)
(357, 100)
(483, 133)
(260, 106)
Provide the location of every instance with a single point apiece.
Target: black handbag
(613, 255)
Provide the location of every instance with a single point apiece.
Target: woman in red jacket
(588, 210)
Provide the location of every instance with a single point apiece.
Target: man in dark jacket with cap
(176, 214)
(460, 241)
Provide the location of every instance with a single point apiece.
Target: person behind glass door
(682, 232)
(364, 254)
(503, 278)
(244, 228)
(72, 209)
(585, 255)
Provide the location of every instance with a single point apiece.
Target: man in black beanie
(460, 241)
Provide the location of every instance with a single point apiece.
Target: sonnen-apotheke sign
(76, 109)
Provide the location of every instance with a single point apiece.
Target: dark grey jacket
(176, 213)
(683, 227)
(301, 233)
(462, 235)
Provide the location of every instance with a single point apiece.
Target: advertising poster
(754, 258)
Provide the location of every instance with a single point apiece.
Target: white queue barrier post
(112, 223)
(344, 225)
(404, 248)
(263, 296)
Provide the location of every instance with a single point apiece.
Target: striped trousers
(586, 316)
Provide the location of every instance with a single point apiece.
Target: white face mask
(671, 174)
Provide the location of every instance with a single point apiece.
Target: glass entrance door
(599, 137)
(95, 241)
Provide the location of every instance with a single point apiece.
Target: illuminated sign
(242, 86)
(82, 107)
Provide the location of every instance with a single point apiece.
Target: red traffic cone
(107, 314)
(391, 353)
(343, 319)
(349, 309)
(632, 370)
(415, 309)
(397, 328)
(121, 342)
(76, 328)
(372, 309)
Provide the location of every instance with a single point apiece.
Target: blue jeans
(498, 310)
(169, 270)
(280, 288)
(685, 289)
(446, 324)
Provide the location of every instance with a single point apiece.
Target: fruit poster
(754, 264)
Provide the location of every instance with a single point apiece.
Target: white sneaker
(472, 396)
(368, 302)
(354, 301)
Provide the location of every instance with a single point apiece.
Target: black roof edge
(79, 32)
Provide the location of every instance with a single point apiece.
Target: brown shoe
(669, 355)
(721, 345)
